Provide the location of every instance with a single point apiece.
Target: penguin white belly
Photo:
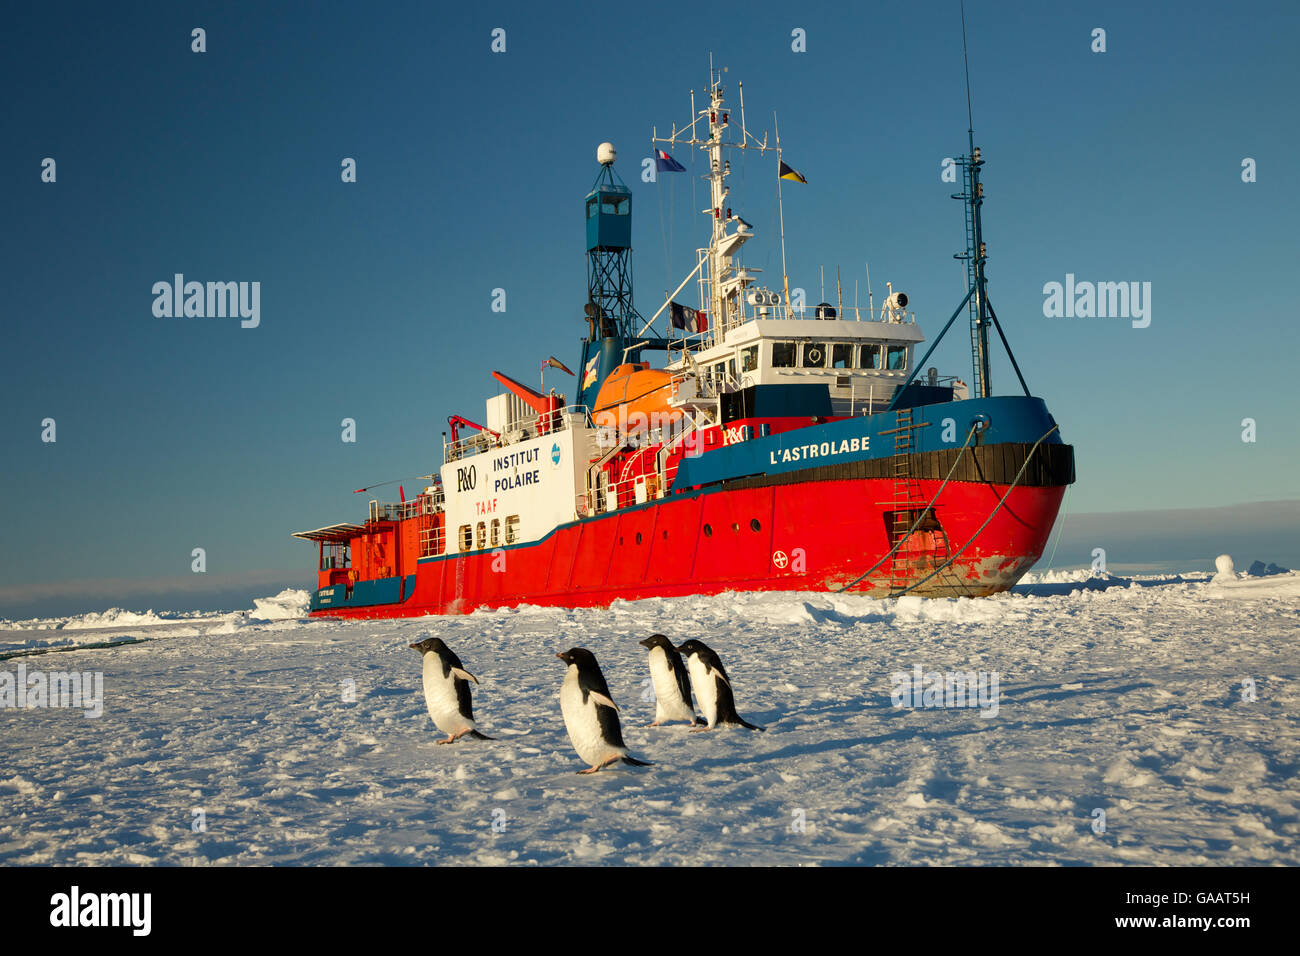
(581, 722)
(440, 697)
(705, 686)
(668, 696)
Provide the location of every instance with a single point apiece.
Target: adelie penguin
(671, 682)
(590, 715)
(446, 690)
(712, 686)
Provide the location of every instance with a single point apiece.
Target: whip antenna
(970, 120)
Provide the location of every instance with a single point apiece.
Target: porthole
(708, 531)
(735, 527)
(753, 523)
(665, 535)
(638, 537)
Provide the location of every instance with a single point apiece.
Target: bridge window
(335, 556)
(869, 356)
(466, 537)
(783, 354)
(841, 356)
(749, 358)
(897, 359)
(512, 529)
(814, 355)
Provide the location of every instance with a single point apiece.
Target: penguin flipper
(637, 763)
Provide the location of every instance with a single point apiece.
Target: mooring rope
(921, 517)
(1014, 482)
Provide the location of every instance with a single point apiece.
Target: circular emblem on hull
(555, 455)
(780, 559)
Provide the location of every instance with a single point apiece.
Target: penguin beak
(560, 656)
(414, 647)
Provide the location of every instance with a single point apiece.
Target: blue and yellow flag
(789, 172)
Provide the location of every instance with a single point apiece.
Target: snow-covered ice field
(308, 742)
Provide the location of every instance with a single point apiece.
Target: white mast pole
(785, 276)
(744, 131)
(718, 194)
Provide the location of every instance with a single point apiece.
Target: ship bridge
(862, 358)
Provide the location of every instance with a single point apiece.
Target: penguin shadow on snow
(931, 732)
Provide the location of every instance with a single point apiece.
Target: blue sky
(186, 432)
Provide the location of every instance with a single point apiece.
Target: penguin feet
(473, 733)
(603, 764)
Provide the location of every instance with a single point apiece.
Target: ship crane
(456, 421)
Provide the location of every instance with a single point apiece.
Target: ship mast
(718, 191)
(721, 283)
(973, 199)
(976, 302)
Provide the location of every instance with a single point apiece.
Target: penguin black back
(453, 676)
(591, 680)
(712, 665)
(448, 659)
(674, 662)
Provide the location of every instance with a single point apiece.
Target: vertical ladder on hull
(909, 563)
(901, 565)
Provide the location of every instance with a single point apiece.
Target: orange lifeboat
(634, 398)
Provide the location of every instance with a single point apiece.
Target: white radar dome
(606, 154)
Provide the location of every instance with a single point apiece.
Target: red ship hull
(805, 536)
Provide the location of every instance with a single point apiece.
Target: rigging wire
(1065, 510)
(955, 556)
(921, 517)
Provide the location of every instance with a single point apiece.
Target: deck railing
(423, 504)
(548, 423)
(602, 496)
